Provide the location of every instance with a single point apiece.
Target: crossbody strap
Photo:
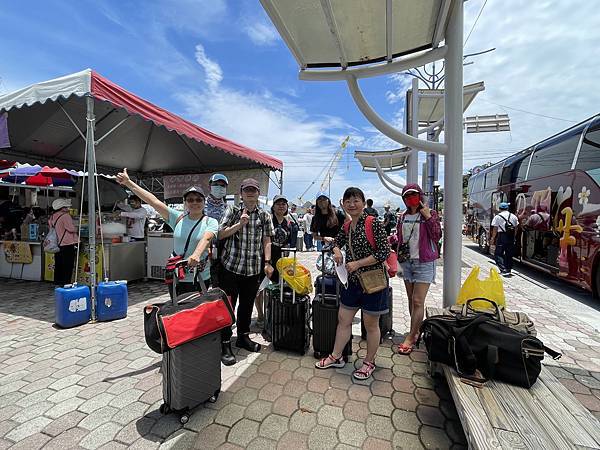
(187, 242)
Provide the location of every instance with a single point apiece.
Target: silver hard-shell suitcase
(191, 373)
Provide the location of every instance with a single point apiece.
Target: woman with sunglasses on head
(192, 229)
(417, 233)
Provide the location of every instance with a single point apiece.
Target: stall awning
(334, 33)
(147, 138)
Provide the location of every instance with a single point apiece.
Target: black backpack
(509, 228)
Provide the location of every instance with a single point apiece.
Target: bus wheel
(483, 241)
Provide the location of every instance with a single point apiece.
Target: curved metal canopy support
(399, 65)
(385, 176)
(388, 130)
(391, 189)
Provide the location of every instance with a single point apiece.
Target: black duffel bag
(481, 343)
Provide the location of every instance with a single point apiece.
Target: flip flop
(405, 349)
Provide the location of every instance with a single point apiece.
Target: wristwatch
(267, 261)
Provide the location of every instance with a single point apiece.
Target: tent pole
(281, 182)
(91, 160)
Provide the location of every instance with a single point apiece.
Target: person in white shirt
(504, 227)
(135, 215)
(307, 219)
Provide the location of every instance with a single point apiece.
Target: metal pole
(91, 159)
(412, 170)
(430, 169)
(453, 93)
(281, 183)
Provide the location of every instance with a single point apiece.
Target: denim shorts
(353, 297)
(415, 271)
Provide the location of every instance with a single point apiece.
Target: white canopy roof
(431, 102)
(388, 160)
(333, 33)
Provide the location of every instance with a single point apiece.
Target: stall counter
(14, 265)
(125, 261)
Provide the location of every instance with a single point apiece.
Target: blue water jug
(72, 305)
(111, 300)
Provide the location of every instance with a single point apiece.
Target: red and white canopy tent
(84, 115)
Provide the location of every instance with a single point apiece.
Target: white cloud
(261, 33)
(212, 70)
(266, 122)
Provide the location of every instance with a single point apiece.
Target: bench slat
(535, 428)
(562, 418)
(586, 420)
(478, 429)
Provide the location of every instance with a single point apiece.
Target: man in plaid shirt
(246, 231)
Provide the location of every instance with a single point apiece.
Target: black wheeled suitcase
(191, 373)
(288, 316)
(325, 320)
(385, 320)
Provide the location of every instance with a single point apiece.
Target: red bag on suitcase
(168, 325)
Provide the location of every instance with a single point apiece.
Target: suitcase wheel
(215, 396)
(184, 419)
(164, 409)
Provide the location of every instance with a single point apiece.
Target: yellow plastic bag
(490, 288)
(301, 281)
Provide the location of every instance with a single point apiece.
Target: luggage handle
(325, 249)
(293, 250)
(467, 306)
(183, 263)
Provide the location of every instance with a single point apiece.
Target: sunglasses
(195, 199)
(250, 189)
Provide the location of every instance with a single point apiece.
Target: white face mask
(218, 191)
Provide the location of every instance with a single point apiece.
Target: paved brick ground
(98, 386)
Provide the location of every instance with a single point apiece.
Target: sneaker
(330, 361)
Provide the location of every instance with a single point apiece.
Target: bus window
(514, 170)
(478, 183)
(491, 179)
(555, 158)
(522, 171)
(470, 185)
(589, 155)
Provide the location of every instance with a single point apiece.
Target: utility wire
(475, 23)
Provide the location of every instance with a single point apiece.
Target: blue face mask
(218, 191)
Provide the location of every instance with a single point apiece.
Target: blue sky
(222, 65)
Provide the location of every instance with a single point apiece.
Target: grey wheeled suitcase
(191, 373)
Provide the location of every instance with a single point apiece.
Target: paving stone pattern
(99, 386)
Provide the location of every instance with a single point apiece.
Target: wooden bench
(502, 416)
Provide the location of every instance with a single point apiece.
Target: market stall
(84, 121)
(29, 206)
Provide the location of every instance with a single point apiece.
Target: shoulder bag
(373, 280)
(171, 266)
